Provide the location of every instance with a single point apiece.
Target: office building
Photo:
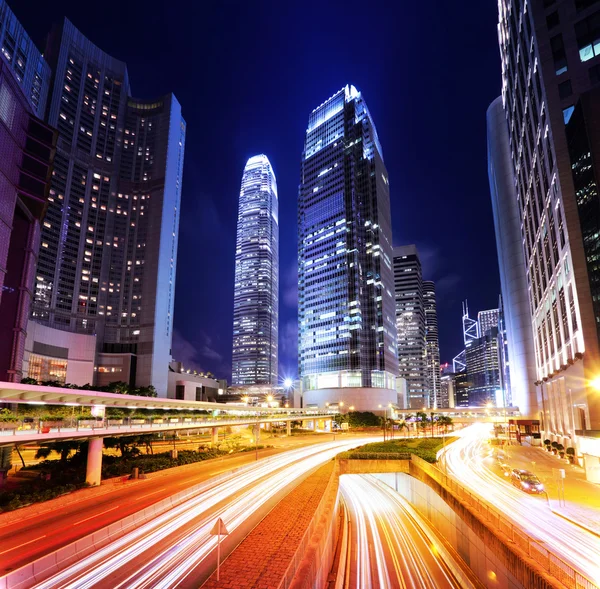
(549, 59)
(461, 389)
(410, 326)
(347, 332)
(516, 315)
(28, 148)
(432, 344)
(447, 397)
(487, 320)
(105, 275)
(256, 298)
(25, 60)
(483, 371)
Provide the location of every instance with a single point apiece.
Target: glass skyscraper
(433, 344)
(256, 295)
(347, 332)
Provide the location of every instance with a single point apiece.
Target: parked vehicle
(526, 481)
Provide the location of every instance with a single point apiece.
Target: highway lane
(176, 549)
(33, 535)
(466, 460)
(390, 545)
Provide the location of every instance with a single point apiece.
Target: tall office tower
(347, 333)
(411, 327)
(511, 263)
(549, 58)
(256, 298)
(447, 391)
(28, 147)
(470, 326)
(23, 57)
(483, 371)
(487, 320)
(433, 344)
(106, 267)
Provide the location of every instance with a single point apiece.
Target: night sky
(247, 75)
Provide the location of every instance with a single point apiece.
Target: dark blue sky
(248, 74)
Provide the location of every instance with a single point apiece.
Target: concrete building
(347, 332)
(447, 398)
(487, 320)
(186, 385)
(28, 149)
(256, 289)
(511, 263)
(549, 59)
(432, 344)
(108, 253)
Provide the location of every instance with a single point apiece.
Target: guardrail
(549, 561)
(39, 426)
(375, 455)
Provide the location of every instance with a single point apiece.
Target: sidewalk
(582, 498)
(263, 557)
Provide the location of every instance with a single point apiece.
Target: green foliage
(425, 448)
(7, 416)
(28, 380)
(5, 458)
(571, 451)
(358, 419)
(546, 442)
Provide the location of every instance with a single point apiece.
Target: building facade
(520, 371)
(432, 344)
(487, 320)
(347, 333)
(256, 289)
(549, 58)
(411, 326)
(108, 252)
(483, 370)
(27, 147)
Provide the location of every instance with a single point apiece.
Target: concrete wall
(81, 350)
(190, 382)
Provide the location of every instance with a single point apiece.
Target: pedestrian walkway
(262, 559)
(582, 498)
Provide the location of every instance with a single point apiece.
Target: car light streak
(464, 461)
(393, 546)
(248, 489)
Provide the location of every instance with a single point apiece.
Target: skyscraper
(487, 320)
(433, 345)
(108, 252)
(347, 333)
(410, 325)
(28, 147)
(483, 371)
(549, 58)
(256, 294)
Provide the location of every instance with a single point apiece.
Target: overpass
(95, 430)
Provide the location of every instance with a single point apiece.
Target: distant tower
(432, 342)
(470, 326)
(411, 326)
(256, 294)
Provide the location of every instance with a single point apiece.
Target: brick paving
(261, 560)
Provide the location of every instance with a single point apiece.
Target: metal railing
(374, 455)
(549, 561)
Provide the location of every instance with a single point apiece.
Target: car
(526, 481)
(506, 470)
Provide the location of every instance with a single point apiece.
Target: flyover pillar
(257, 432)
(288, 426)
(314, 425)
(215, 436)
(93, 472)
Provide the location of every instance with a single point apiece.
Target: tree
(62, 448)
(28, 380)
(119, 387)
(422, 422)
(148, 391)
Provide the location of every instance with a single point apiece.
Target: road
(390, 545)
(175, 549)
(30, 533)
(468, 460)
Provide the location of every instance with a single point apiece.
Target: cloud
(200, 356)
(288, 340)
(183, 350)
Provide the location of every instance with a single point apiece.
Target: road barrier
(546, 559)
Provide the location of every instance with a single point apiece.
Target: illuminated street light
(341, 403)
(351, 408)
(595, 383)
(246, 399)
(287, 383)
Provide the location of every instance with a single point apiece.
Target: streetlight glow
(287, 383)
(595, 383)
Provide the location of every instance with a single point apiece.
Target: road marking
(148, 494)
(24, 544)
(96, 515)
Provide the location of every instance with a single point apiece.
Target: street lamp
(595, 383)
(287, 383)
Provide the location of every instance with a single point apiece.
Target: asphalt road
(389, 545)
(35, 535)
(176, 548)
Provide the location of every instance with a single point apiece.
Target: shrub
(571, 451)
(546, 442)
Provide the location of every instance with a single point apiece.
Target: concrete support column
(257, 432)
(93, 473)
(314, 425)
(215, 436)
(327, 425)
(288, 426)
